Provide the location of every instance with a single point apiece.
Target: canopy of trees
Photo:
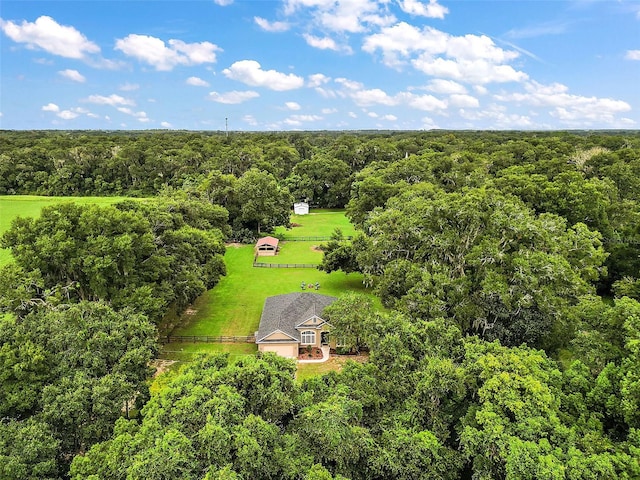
(507, 263)
(430, 403)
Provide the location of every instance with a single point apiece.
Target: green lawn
(185, 352)
(12, 206)
(319, 223)
(234, 305)
(295, 252)
(308, 370)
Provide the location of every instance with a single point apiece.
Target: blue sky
(320, 64)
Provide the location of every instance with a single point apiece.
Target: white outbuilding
(301, 208)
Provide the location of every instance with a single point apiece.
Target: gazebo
(267, 246)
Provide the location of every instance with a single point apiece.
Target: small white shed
(301, 208)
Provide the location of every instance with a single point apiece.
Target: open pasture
(319, 223)
(296, 252)
(234, 305)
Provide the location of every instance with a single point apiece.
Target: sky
(274, 65)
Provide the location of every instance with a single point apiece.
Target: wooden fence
(285, 265)
(164, 339)
(310, 239)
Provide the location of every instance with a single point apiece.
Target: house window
(308, 337)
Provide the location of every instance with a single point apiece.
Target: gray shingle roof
(284, 312)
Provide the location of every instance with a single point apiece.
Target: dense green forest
(508, 264)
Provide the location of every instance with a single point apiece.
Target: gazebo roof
(271, 241)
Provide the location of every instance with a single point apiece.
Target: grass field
(295, 252)
(234, 305)
(308, 370)
(319, 223)
(12, 206)
(185, 352)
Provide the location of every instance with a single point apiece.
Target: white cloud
(432, 9)
(233, 97)
(68, 114)
(51, 107)
(422, 102)
(349, 84)
(163, 57)
(292, 105)
(375, 96)
(274, 27)
(328, 111)
(498, 117)
(373, 114)
(317, 79)
(575, 110)
(129, 87)
(352, 115)
(250, 72)
(140, 116)
(292, 5)
(632, 55)
(390, 117)
(250, 119)
(223, 3)
(477, 47)
(428, 123)
(166, 125)
(47, 34)
(469, 58)
(446, 87)
(297, 120)
(113, 100)
(72, 75)
(402, 39)
(306, 118)
(326, 92)
(461, 100)
(471, 71)
(324, 43)
(349, 16)
(197, 82)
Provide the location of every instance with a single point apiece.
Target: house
(301, 208)
(267, 246)
(291, 321)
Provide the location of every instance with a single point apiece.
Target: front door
(324, 338)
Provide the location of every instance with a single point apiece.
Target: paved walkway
(325, 356)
